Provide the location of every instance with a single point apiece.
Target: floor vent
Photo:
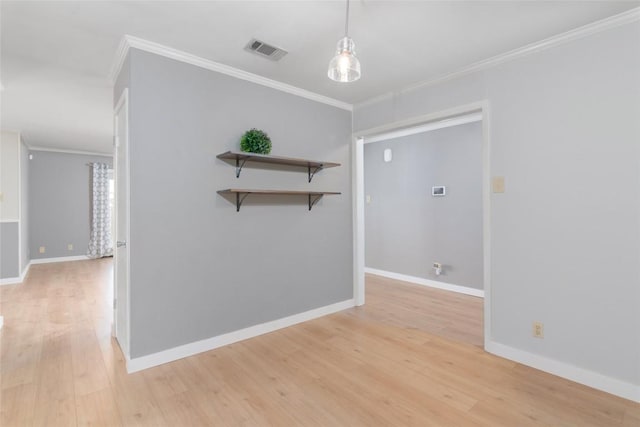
(266, 50)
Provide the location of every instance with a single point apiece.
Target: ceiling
(56, 56)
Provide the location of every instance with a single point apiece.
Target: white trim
(175, 353)
(65, 151)
(10, 281)
(16, 280)
(20, 267)
(614, 21)
(118, 59)
(440, 124)
(1, 322)
(423, 120)
(129, 42)
(59, 259)
(565, 370)
(123, 102)
(486, 217)
(467, 290)
(2, 221)
(25, 271)
(358, 220)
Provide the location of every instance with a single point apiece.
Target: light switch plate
(497, 184)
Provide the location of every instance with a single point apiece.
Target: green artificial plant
(255, 141)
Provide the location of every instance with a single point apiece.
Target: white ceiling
(56, 56)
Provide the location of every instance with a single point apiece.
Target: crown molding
(118, 59)
(65, 151)
(129, 42)
(614, 21)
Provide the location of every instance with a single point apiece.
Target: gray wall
(122, 81)
(9, 254)
(24, 206)
(565, 235)
(198, 268)
(407, 229)
(59, 203)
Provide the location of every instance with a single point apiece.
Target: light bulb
(344, 67)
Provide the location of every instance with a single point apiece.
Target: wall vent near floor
(266, 50)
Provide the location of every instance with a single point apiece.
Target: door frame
(357, 164)
(123, 102)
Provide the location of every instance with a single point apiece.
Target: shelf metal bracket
(314, 171)
(313, 201)
(240, 165)
(239, 200)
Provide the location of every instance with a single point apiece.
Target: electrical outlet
(42, 249)
(368, 198)
(437, 268)
(538, 330)
(70, 247)
(497, 184)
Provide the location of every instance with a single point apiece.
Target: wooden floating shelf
(312, 166)
(242, 193)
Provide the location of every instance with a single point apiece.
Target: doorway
(466, 114)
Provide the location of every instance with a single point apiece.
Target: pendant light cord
(346, 22)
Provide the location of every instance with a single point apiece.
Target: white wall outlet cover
(388, 155)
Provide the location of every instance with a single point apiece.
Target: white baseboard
(166, 356)
(14, 280)
(426, 282)
(10, 281)
(60, 259)
(583, 376)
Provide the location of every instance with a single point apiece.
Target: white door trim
(123, 102)
(357, 164)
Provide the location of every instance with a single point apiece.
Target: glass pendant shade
(344, 67)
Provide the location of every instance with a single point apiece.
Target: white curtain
(100, 244)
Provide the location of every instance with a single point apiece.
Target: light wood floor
(409, 357)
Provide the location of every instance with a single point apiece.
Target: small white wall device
(438, 191)
(437, 267)
(388, 155)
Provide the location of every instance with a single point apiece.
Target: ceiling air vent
(266, 50)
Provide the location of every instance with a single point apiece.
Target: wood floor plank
(411, 356)
(98, 408)
(18, 405)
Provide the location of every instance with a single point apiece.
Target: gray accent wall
(9, 253)
(565, 236)
(59, 203)
(24, 206)
(406, 228)
(199, 268)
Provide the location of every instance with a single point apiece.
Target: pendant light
(345, 67)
